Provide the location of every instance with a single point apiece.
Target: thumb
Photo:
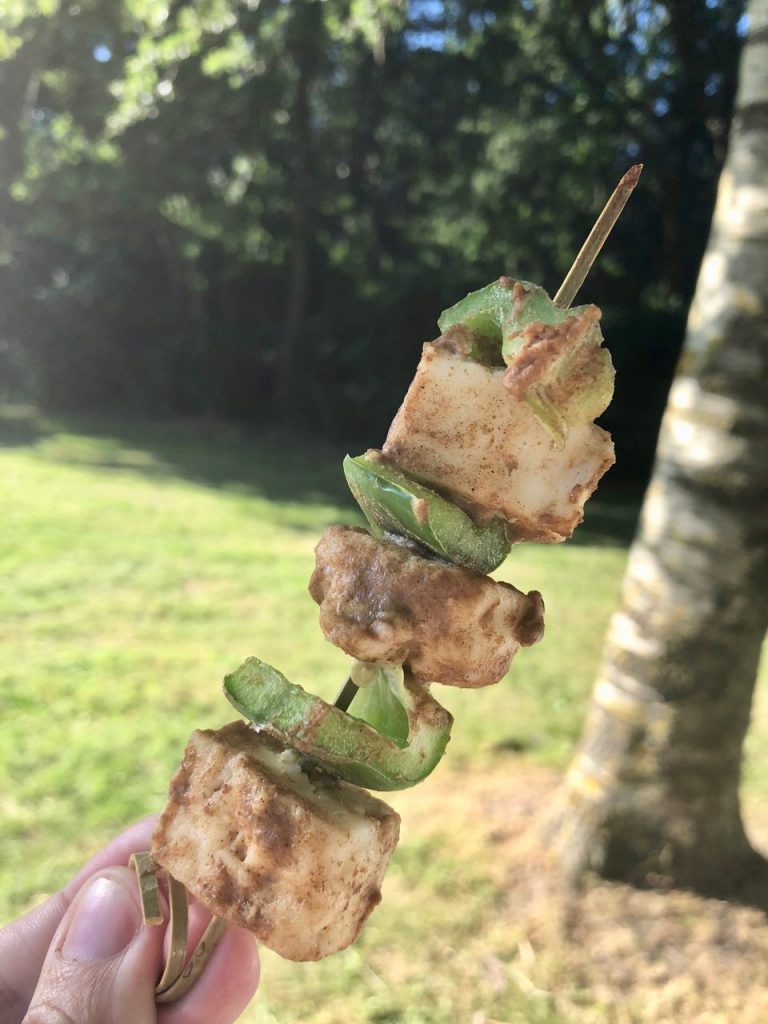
(103, 962)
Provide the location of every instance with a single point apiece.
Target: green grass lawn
(137, 566)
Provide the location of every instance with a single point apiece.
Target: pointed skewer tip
(630, 178)
(596, 238)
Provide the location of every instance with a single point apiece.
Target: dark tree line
(258, 209)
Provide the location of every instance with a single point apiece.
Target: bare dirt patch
(607, 952)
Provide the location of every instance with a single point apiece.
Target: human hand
(85, 956)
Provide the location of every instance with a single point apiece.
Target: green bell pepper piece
(382, 700)
(395, 503)
(341, 743)
(576, 380)
(483, 313)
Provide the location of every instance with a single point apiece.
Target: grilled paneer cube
(295, 856)
(460, 430)
(380, 601)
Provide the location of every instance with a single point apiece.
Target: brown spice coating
(381, 602)
(543, 344)
(461, 431)
(296, 858)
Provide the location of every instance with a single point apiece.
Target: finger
(103, 961)
(135, 838)
(24, 944)
(226, 986)
(216, 998)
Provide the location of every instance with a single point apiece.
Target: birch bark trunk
(652, 795)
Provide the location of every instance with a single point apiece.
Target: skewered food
(397, 506)
(493, 444)
(295, 855)
(394, 740)
(382, 602)
(460, 429)
(556, 363)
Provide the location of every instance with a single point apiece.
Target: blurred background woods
(242, 208)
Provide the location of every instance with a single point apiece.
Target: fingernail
(106, 919)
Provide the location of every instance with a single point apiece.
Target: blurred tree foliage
(257, 208)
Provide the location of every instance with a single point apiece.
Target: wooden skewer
(574, 279)
(346, 695)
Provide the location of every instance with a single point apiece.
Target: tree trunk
(652, 795)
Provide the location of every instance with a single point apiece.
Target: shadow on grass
(269, 463)
(221, 455)
(19, 427)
